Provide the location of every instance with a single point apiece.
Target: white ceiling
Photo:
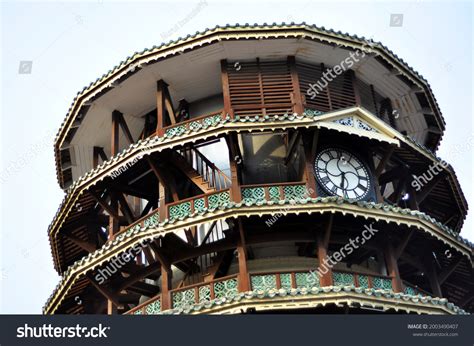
(196, 74)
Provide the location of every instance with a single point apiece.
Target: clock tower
(247, 181)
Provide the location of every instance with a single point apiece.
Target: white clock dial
(340, 173)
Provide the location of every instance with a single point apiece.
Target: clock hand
(342, 180)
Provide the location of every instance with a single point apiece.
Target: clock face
(340, 173)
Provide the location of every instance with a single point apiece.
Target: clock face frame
(341, 173)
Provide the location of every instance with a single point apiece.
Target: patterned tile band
(266, 285)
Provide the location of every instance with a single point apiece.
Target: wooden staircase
(210, 265)
(202, 172)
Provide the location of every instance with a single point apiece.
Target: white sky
(72, 44)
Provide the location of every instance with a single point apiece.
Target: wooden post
(111, 308)
(162, 201)
(324, 268)
(433, 278)
(355, 88)
(236, 194)
(226, 89)
(244, 283)
(160, 106)
(297, 97)
(113, 221)
(392, 267)
(310, 146)
(166, 286)
(114, 147)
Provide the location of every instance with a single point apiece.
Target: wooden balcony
(228, 286)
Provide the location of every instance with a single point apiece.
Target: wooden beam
(397, 194)
(132, 191)
(401, 247)
(446, 273)
(108, 294)
(147, 208)
(217, 264)
(191, 235)
(421, 195)
(183, 110)
(124, 127)
(98, 152)
(466, 299)
(169, 108)
(159, 254)
(393, 174)
(383, 163)
(126, 210)
(232, 242)
(140, 275)
(163, 178)
(85, 245)
(108, 208)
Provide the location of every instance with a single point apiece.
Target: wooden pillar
(166, 286)
(113, 222)
(235, 192)
(433, 279)
(412, 201)
(111, 308)
(392, 268)
(297, 96)
(355, 88)
(114, 146)
(324, 265)
(160, 106)
(310, 143)
(225, 89)
(162, 201)
(244, 282)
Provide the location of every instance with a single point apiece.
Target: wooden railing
(409, 288)
(267, 280)
(274, 192)
(213, 176)
(186, 207)
(199, 293)
(187, 296)
(151, 219)
(149, 307)
(308, 279)
(192, 124)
